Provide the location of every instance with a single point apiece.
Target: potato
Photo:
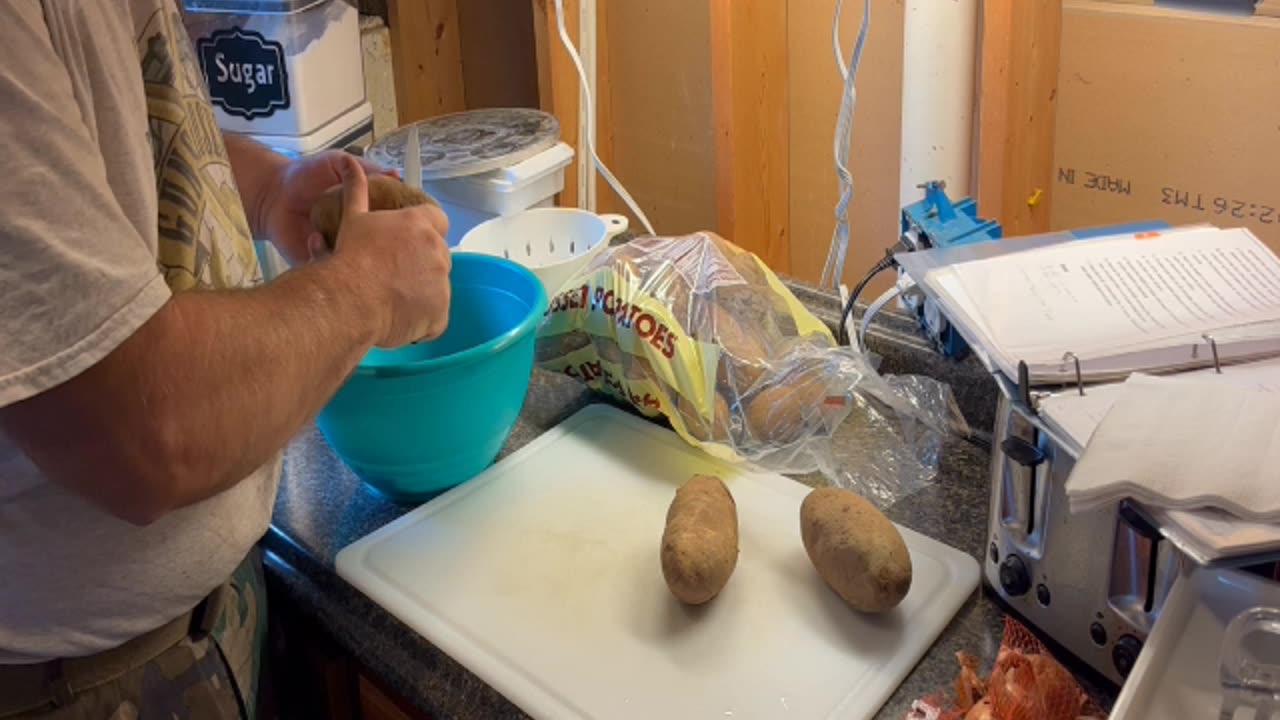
(738, 377)
(857, 551)
(674, 292)
(637, 368)
(758, 308)
(608, 350)
(980, 711)
(746, 338)
(738, 341)
(790, 409)
(700, 542)
(385, 193)
(697, 425)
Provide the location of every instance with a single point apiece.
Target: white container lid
(471, 142)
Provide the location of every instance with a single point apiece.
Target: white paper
(1123, 293)
(1077, 416)
(1184, 444)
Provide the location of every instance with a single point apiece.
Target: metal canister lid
(471, 142)
(254, 7)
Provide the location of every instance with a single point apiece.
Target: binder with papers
(1060, 321)
(1091, 310)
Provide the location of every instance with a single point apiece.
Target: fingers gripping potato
(397, 259)
(700, 543)
(856, 549)
(385, 193)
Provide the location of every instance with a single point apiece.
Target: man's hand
(285, 206)
(398, 260)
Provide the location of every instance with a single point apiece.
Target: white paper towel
(1183, 445)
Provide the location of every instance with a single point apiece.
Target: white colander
(552, 242)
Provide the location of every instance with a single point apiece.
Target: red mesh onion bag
(1026, 683)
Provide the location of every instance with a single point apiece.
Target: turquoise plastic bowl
(422, 418)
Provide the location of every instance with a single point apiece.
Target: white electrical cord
(834, 268)
(591, 121)
(876, 306)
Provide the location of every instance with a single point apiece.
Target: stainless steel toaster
(1091, 582)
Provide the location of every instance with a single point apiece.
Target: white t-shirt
(115, 192)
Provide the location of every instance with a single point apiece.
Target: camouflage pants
(210, 677)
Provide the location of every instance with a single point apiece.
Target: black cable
(885, 263)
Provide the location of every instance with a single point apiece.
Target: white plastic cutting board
(542, 577)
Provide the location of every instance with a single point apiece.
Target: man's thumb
(355, 187)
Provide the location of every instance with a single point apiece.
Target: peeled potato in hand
(385, 193)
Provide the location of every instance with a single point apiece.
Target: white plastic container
(473, 199)
(290, 68)
(351, 130)
(552, 242)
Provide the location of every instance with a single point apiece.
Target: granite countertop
(322, 507)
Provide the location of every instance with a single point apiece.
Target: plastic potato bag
(699, 331)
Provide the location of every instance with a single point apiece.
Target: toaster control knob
(1098, 634)
(1125, 654)
(1014, 577)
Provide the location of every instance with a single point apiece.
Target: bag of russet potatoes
(702, 332)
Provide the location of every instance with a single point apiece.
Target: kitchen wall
(659, 95)
(379, 82)
(876, 139)
(657, 125)
(661, 124)
(1184, 132)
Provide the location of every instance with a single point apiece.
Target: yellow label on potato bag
(658, 359)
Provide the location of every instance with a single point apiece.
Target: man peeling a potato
(148, 378)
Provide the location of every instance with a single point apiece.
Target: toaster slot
(1143, 568)
(1022, 477)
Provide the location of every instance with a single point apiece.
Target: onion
(1033, 687)
(981, 711)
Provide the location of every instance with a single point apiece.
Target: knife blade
(413, 160)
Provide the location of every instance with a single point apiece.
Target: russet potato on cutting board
(700, 542)
(856, 549)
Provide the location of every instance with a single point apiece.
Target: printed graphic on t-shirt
(204, 241)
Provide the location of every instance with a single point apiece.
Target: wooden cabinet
(378, 704)
(305, 675)
(308, 677)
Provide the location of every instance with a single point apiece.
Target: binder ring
(1213, 347)
(1079, 377)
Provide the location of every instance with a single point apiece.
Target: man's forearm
(204, 393)
(257, 170)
